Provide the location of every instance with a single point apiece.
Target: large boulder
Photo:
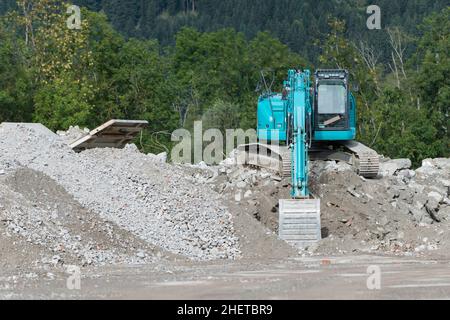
(434, 166)
(391, 167)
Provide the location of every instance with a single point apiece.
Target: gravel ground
(157, 202)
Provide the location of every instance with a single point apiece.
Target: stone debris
(365, 215)
(122, 206)
(159, 203)
(391, 167)
(73, 134)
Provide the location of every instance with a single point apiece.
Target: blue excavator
(307, 121)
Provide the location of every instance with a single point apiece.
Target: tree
(339, 52)
(222, 116)
(15, 81)
(432, 79)
(61, 62)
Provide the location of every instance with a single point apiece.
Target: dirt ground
(296, 278)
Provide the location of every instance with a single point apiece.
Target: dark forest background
(176, 61)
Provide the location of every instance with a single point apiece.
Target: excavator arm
(299, 217)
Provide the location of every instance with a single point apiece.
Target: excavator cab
(334, 106)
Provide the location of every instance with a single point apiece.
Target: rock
(161, 157)
(434, 166)
(426, 171)
(241, 185)
(428, 163)
(432, 207)
(441, 163)
(141, 254)
(436, 196)
(264, 174)
(407, 174)
(2, 172)
(445, 183)
(238, 196)
(202, 165)
(120, 186)
(276, 178)
(222, 170)
(417, 214)
(55, 259)
(352, 191)
(444, 212)
(248, 194)
(391, 167)
(420, 248)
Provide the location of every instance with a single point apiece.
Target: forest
(177, 61)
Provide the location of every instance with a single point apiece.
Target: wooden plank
(332, 120)
(112, 134)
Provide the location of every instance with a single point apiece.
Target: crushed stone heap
(153, 200)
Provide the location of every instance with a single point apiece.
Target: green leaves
(63, 105)
(61, 77)
(15, 80)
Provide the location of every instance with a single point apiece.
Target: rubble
(365, 215)
(391, 167)
(108, 206)
(73, 134)
(157, 202)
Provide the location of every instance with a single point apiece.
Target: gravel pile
(44, 225)
(159, 203)
(73, 134)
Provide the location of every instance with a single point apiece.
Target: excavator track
(367, 161)
(286, 165)
(369, 165)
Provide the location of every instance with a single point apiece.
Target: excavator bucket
(299, 221)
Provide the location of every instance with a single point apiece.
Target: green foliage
(432, 81)
(221, 116)
(63, 105)
(15, 82)
(404, 130)
(223, 65)
(62, 77)
(296, 23)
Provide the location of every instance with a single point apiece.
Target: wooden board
(112, 134)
